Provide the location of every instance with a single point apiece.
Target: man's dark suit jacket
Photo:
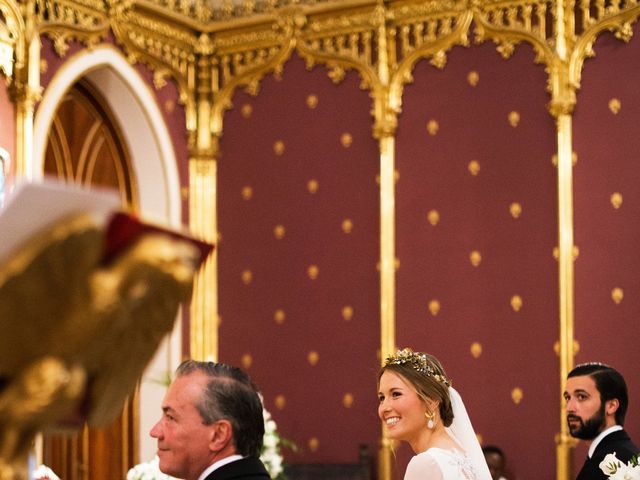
(249, 468)
(618, 442)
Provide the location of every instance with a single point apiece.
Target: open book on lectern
(34, 207)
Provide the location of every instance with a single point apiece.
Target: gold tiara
(417, 361)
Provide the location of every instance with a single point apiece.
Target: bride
(419, 406)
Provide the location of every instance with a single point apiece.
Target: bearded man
(597, 400)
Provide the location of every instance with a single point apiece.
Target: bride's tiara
(417, 361)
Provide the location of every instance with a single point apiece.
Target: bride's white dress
(440, 464)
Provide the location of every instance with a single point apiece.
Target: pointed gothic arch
(155, 171)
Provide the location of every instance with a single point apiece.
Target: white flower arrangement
(617, 470)
(270, 456)
(148, 471)
(44, 473)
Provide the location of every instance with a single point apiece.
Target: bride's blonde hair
(426, 374)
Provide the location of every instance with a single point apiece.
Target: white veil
(462, 431)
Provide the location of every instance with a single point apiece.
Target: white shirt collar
(599, 438)
(218, 464)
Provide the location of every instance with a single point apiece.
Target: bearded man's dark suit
(248, 468)
(618, 442)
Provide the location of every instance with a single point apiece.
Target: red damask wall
(607, 212)
(299, 223)
(476, 228)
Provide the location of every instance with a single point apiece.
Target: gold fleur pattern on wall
(576, 347)
(346, 140)
(514, 118)
(169, 106)
(476, 349)
(574, 159)
(616, 200)
(433, 127)
(475, 258)
(517, 395)
(312, 101)
(312, 272)
(247, 193)
(516, 303)
(278, 232)
(184, 193)
(246, 110)
(313, 358)
(474, 167)
(434, 307)
(219, 237)
(347, 400)
(312, 186)
(44, 66)
(434, 217)
(246, 361)
(515, 209)
(278, 147)
(473, 78)
(347, 312)
(617, 294)
(280, 402)
(396, 263)
(347, 225)
(314, 444)
(279, 316)
(614, 105)
(576, 253)
(247, 276)
(396, 177)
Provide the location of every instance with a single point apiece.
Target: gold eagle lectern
(83, 309)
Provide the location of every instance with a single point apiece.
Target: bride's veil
(462, 431)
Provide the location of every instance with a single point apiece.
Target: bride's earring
(430, 418)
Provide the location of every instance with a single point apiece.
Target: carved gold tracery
(212, 49)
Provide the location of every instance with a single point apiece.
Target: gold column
(203, 221)
(562, 104)
(26, 91)
(566, 286)
(384, 132)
